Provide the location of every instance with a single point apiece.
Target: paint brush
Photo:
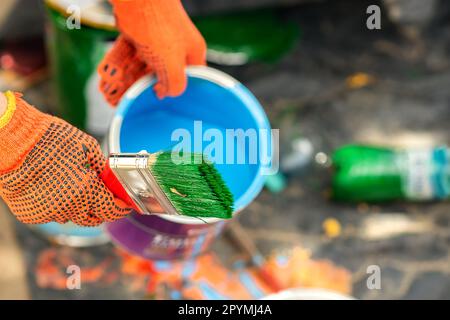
(240, 239)
(155, 183)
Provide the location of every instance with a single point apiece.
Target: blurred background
(327, 82)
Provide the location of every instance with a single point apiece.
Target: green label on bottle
(424, 174)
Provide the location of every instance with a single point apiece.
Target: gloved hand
(157, 37)
(49, 169)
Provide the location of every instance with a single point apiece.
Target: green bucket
(238, 38)
(74, 56)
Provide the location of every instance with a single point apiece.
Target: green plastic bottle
(375, 174)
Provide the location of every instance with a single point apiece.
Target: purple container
(157, 238)
(143, 122)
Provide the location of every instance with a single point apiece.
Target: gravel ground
(407, 105)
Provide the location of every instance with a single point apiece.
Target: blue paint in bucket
(148, 124)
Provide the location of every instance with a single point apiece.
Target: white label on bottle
(418, 170)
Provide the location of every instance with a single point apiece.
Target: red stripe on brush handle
(113, 184)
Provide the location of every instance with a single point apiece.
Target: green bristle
(195, 188)
(216, 183)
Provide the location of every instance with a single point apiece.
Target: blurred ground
(407, 105)
(306, 95)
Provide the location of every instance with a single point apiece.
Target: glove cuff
(21, 127)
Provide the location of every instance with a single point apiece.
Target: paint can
(79, 33)
(213, 103)
(69, 234)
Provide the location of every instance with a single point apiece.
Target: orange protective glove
(157, 37)
(49, 169)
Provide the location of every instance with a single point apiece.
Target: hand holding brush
(49, 170)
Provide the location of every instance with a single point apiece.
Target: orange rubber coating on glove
(50, 171)
(165, 39)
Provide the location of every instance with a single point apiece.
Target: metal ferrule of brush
(133, 170)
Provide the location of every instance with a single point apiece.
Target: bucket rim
(219, 78)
